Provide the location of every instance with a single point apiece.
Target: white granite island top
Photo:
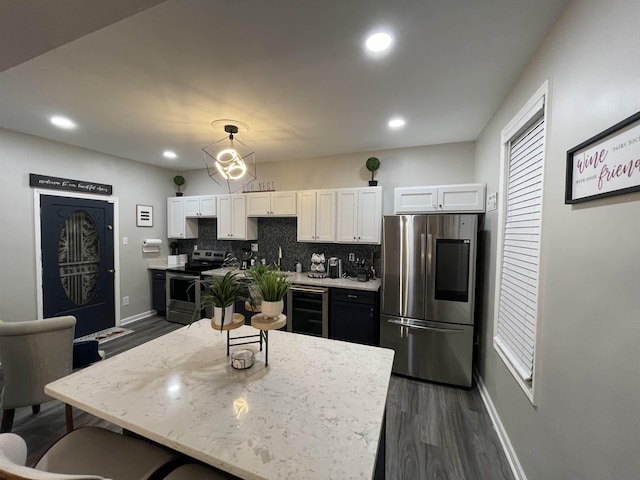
(314, 413)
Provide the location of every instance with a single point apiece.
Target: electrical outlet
(125, 240)
(352, 257)
(254, 247)
(125, 301)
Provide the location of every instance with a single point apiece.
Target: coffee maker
(334, 267)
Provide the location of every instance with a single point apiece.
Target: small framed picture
(144, 216)
(605, 165)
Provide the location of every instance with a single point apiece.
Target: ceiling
(150, 75)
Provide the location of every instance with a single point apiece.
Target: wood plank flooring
(433, 431)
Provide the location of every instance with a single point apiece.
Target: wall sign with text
(68, 185)
(605, 165)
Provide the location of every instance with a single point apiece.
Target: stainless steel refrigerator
(427, 302)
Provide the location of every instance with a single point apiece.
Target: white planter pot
(228, 315)
(272, 309)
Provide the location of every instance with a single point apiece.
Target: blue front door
(78, 261)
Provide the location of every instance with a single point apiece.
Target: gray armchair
(33, 354)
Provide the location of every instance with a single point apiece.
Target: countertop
(159, 264)
(304, 279)
(314, 413)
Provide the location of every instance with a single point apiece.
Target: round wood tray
(238, 321)
(260, 322)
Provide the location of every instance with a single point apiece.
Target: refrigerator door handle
(421, 327)
(430, 287)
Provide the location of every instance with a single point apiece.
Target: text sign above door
(69, 185)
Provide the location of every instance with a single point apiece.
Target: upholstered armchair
(33, 354)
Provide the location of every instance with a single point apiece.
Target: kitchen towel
(151, 245)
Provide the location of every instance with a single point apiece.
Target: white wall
(133, 183)
(587, 423)
(427, 165)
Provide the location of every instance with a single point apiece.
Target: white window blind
(517, 319)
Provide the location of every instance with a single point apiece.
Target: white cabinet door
(370, 215)
(415, 200)
(238, 217)
(267, 204)
(461, 198)
(233, 223)
(200, 206)
(175, 217)
(347, 215)
(283, 204)
(224, 226)
(440, 199)
(326, 216)
(191, 206)
(258, 204)
(207, 205)
(178, 226)
(306, 216)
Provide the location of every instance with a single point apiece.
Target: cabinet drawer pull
(352, 296)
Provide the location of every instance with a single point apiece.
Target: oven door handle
(309, 289)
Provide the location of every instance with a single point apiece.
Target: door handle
(111, 270)
(109, 227)
(421, 327)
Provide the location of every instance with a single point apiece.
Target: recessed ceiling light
(396, 123)
(169, 154)
(63, 122)
(378, 42)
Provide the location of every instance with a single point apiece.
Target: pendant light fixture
(230, 163)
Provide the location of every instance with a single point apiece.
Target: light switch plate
(125, 240)
(492, 201)
(254, 247)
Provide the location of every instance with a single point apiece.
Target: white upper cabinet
(178, 225)
(233, 223)
(200, 206)
(359, 215)
(440, 199)
(271, 204)
(317, 216)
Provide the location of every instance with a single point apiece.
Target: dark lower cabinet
(354, 316)
(158, 295)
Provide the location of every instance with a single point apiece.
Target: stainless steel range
(183, 284)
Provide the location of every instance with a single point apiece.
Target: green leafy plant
(178, 181)
(221, 293)
(273, 286)
(373, 164)
(255, 272)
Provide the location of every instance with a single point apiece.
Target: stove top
(202, 260)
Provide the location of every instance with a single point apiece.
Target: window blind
(518, 304)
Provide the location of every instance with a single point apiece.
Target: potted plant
(373, 164)
(221, 294)
(178, 181)
(273, 286)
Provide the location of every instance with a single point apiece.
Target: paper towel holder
(151, 245)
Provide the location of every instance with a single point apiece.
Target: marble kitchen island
(316, 412)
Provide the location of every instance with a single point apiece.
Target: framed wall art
(144, 216)
(605, 165)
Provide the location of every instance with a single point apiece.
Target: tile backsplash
(274, 233)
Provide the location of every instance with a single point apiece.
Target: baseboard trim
(512, 458)
(139, 316)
